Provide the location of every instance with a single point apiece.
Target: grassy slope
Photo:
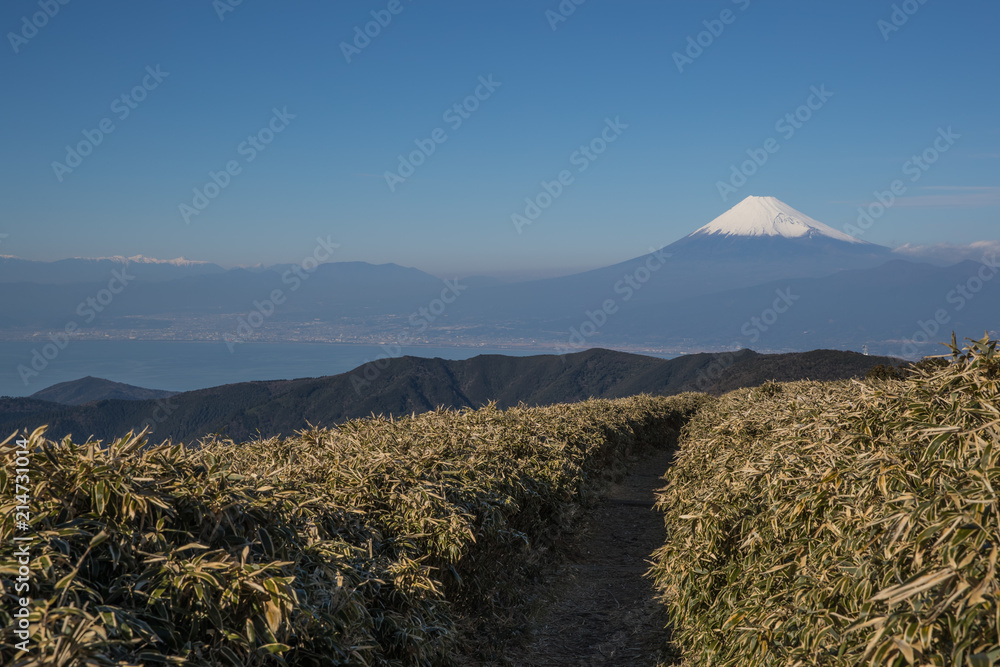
(381, 542)
(840, 523)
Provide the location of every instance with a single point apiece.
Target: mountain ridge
(415, 384)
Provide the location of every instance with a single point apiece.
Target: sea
(188, 365)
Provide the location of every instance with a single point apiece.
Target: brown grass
(374, 543)
(841, 523)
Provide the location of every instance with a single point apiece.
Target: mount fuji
(758, 241)
(766, 228)
(725, 284)
(768, 216)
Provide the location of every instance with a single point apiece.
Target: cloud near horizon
(945, 254)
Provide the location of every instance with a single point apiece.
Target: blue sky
(324, 172)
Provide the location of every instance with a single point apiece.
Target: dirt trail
(600, 609)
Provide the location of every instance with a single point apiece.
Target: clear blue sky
(324, 173)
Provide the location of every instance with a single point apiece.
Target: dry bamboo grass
(845, 523)
(367, 544)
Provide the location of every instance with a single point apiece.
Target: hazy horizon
(940, 253)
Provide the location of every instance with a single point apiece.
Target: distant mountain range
(701, 292)
(88, 270)
(412, 384)
(328, 292)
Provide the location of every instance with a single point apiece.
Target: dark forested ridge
(414, 384)
(89, 389)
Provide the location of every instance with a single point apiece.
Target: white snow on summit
(142, 259)
(769, 216)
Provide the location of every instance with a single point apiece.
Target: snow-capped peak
(142, 259)
(177, 261)
(769, 216)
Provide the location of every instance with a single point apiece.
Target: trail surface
(601, 609)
